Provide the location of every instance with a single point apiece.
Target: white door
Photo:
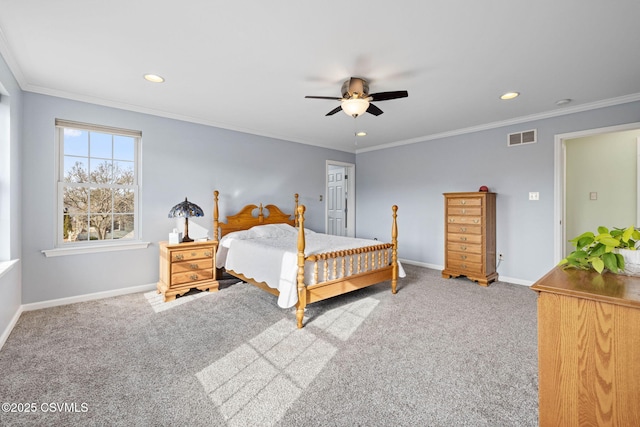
(336, 200)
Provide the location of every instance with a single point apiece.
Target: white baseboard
(512, 280)
(87, 297)
(10, 326)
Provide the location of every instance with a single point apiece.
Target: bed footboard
(335, 273)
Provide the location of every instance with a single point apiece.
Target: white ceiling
(247, 65)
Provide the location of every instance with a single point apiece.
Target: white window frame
(69, 248)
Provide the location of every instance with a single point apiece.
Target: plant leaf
(597, 264)
(610, 261)
(603, 230)
(608, 240)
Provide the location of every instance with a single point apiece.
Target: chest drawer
(461, 219)
(466, 266)
(464, 247)
(465, 256)
(464, 228)
(457, 210)
(464, 201)
(190, 254)
(464, 238)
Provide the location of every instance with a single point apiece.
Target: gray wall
(179, 160)
(415, 176)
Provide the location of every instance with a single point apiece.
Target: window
(97, 184)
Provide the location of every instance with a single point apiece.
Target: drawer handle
(179, 256)
(464, 248)
(463, 229)
(464, 211)
(194, 253)
(463, 257)
(475, 221)
(463, 202)
(193, 266)
(451, 220)
(193, 277)
(464, 266)
(464, 239)
(207, 253)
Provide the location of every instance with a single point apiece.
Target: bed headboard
(245, 219)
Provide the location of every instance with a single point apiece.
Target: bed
(273, 251)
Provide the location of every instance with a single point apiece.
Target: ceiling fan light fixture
(355, 107)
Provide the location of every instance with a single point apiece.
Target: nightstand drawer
(189, 254)
(188, 266)
(191, 276)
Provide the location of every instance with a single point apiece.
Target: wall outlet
(534, 195)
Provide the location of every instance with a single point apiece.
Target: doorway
(340, 199)
(562, 182)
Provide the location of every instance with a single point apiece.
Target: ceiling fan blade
(385, 96)
(324, 97)
(374, 110)
(335, 110)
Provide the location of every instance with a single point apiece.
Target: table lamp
(185, 209)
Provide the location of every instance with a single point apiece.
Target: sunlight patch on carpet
(260, 380)
(156, 300)
(257, 383)
(341, 322)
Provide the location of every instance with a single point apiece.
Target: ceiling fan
(356, 99)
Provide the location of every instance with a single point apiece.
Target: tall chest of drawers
(185, 266)
(470, 236)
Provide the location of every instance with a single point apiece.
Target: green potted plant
(607, 249)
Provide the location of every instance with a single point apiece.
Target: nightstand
(185, 266)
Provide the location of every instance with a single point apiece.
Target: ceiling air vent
(519, 138)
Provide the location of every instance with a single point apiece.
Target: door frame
(351, 195)
(560, 181)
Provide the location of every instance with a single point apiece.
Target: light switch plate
(534, 195)
(593, 195)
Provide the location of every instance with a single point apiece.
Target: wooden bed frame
(369, 269)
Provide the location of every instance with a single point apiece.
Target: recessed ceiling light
(563, 101)
(153, 78)
(510, 95)
(361, 133)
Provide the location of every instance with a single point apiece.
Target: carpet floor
(438, 353)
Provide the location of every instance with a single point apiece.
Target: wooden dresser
(588, 348)
(470, 236)
(185, 266)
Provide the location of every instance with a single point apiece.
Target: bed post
(295, 210)
(302, 291)
(216, 225)
(394, 250)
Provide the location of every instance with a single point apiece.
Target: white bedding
(268, 253)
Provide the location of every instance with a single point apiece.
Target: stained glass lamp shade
(185, 210)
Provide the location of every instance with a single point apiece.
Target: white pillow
(273, 230)
(236, 235)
